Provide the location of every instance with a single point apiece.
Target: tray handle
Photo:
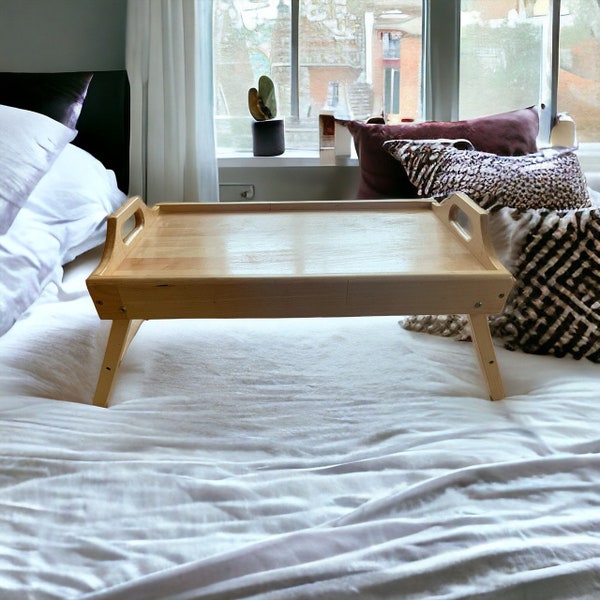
(120, 232)
(469, 222)
(118, 235)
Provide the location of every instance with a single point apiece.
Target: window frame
(441, 63)
(441, 68)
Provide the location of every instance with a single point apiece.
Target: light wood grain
(298, 259)
(121, 334)
(486, 355)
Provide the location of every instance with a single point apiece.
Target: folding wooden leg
(486, 355)
(122, 332)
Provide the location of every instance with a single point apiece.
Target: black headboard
(103, 126)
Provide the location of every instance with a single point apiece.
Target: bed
(281, 458)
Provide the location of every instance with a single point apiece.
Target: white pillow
(29, 143)
(27, 264)
(74, 199)
(64, 216)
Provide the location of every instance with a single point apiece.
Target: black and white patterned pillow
(554, 307)
(542, 180)
(553, 254)
(456, 327)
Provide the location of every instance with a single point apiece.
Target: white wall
(291, 183)
(62, 35)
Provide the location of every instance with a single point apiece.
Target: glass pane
(356, 58)
(244, 32)
(501, 55)
(359, 58)
(579, 77)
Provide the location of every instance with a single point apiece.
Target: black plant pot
(268, 137)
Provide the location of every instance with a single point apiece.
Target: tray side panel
(300, 297)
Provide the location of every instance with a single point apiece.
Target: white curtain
(169, 64)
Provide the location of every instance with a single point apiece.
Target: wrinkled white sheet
(321, 458)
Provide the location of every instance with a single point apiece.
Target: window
(505, 52)
(351, 57)
(501, 52)
(364, 57)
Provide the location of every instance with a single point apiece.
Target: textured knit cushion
(507, 134)
(554, 307)
(542, 180)
(453, 326)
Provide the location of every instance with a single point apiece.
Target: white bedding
(322, 458)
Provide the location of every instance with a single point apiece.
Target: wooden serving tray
(297, 259)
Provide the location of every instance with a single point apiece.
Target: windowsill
(290, 158)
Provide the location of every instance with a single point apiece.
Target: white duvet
(322, 458)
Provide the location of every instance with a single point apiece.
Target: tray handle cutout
(123, 227)
(469, 222)
(126, 224)
(459, 219)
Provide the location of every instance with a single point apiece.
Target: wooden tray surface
(380, 251)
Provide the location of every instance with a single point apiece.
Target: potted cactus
(267, 131)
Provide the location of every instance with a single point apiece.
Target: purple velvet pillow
(507, 134)
(59, 96)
